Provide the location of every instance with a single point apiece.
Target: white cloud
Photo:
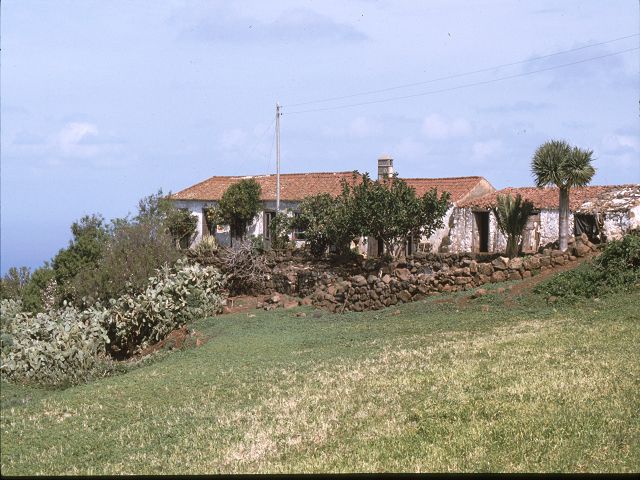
(71, 140)
(484, 150)
(438, 127)
(615, 142)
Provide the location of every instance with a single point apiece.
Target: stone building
(601, 211)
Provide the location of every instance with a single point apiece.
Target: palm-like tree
(512, 215)
(557, 163)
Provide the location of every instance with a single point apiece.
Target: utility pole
(278, 157)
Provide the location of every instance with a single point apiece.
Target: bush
(279, 228)
(172, 297)
(41, 291)
(13, 283)
(617, 268)
(133, 253)
(58, 347)
(205, 248)
(65, 345)
(245, 268)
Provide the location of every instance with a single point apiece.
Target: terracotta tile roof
(458, 187)
(296, 186)
(580, 198)
(293, 186)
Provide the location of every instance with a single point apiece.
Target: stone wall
(418, 278)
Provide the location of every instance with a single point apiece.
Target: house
(294, 187)
(602, 212)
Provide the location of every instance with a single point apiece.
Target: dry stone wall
(419, 278)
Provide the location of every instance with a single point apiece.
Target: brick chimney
(385, 167)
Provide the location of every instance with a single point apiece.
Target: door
(531, 234)
(481, 234)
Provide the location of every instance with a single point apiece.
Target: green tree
(239, 205)
(157, 209)
(557, 163)
(317, 221)
(391, 211)
(13, 283)
(33, 294)
(512, 215)
(85, 249)
(279, 229)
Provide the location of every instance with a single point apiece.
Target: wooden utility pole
(277, 157)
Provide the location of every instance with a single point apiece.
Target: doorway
(481, 237)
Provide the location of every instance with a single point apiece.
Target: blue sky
(105, 102)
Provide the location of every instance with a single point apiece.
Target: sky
(105, 102)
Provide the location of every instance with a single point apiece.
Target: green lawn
(429, 386)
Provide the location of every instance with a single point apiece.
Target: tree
(279, 228)
(85, 250)
(391, 211)
(239, 205)
(557, 163)
(512, 215)
(158, 209)
(318, 220)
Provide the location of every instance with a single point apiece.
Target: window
(298, 234)
(268, 216)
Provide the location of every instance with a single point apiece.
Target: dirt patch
(177, 339)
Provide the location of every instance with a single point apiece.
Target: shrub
(279, 228)
(245, 268)
(36, 295)
(58, 347)
(13, 283)
(207, 247)
(67, 346)
(133, 253)
(171, 298)
(617, 268)
(239, 205)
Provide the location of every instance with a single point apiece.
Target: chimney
(385, 167)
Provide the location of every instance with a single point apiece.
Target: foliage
(557, 163)
(85, 249)
(239, 205)
(617, 268)
(244, 267)
(57, 347)
(317, 219)
(279, 229)
(512, 215)
(66, 345)
(171, 298)
(36, 293)
(206, 247)
(158, 209)
(132, 254)
(13, 283)
(391, 210)
(181, 225)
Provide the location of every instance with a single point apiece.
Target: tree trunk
(563, 225)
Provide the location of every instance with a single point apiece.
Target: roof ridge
(441, 178)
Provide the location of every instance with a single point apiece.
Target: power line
(457, 75)
(459, 87)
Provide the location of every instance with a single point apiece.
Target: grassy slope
(435, 387)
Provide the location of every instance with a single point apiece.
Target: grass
(477, 385)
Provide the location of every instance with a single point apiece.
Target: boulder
(485, 269)
(516, 263)
(500, 263)
(498, 276)
(404, 296)
(403, 274)
(515, 275)
(358, 280)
